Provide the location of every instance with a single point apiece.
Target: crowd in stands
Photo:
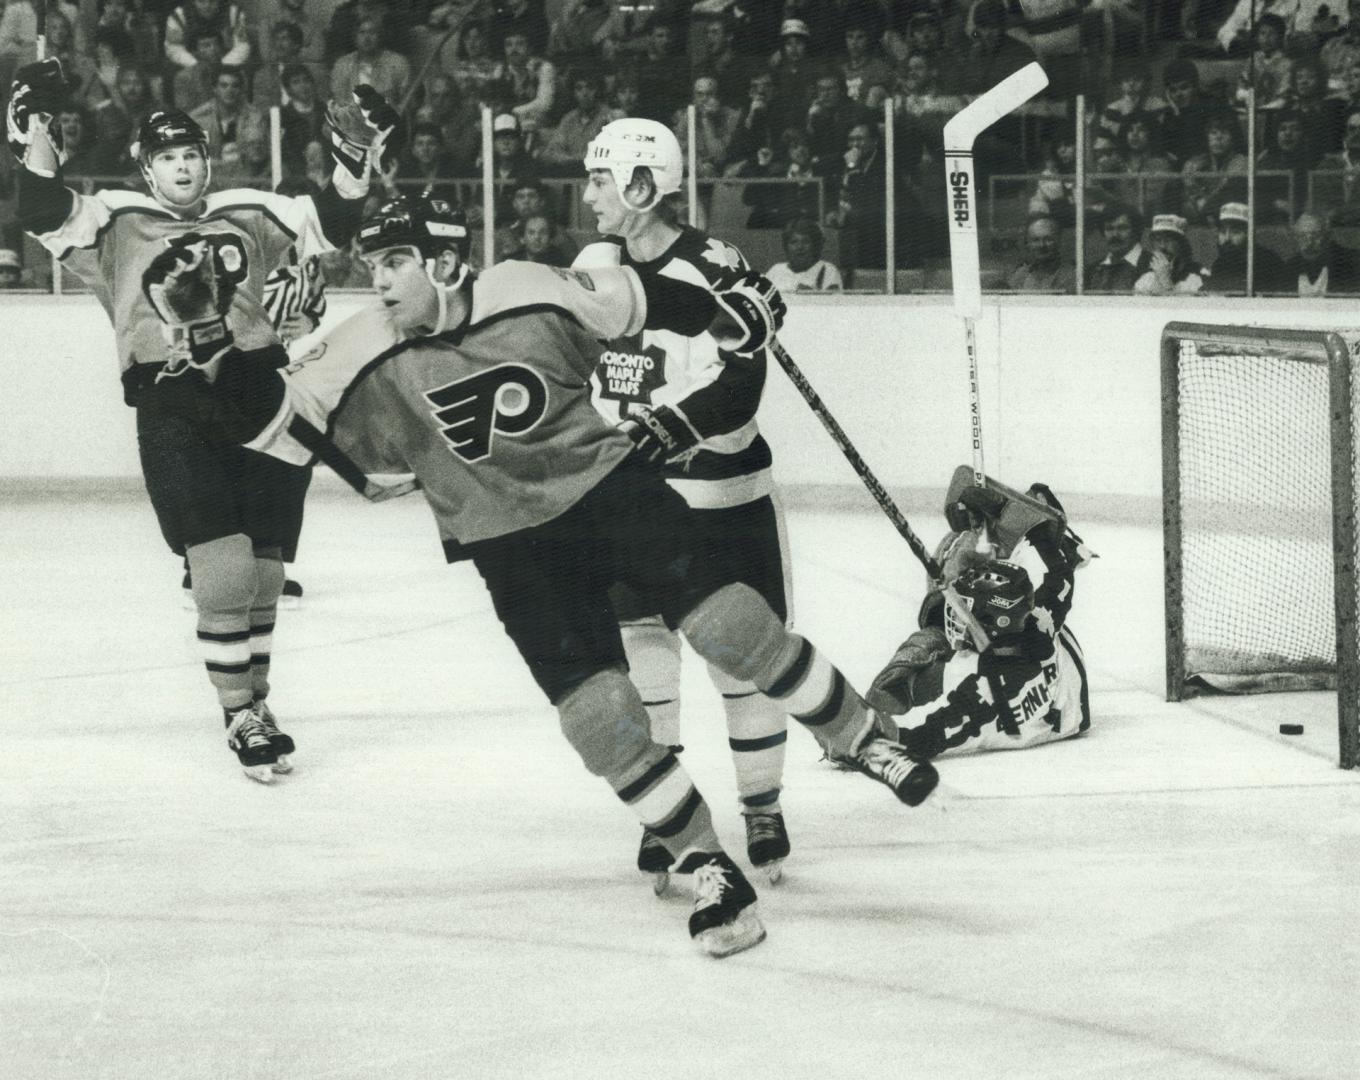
(789, 99)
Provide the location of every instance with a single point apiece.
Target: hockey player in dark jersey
(481, 388)
(1025, 683)
(227, 511)
(699, 404)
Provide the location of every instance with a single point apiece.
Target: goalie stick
(960, 132)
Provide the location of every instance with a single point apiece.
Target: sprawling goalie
(994, 665)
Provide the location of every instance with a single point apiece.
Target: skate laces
(247, 728)
(710, 882)
(266, 718)
(887, 760)
(762, 827)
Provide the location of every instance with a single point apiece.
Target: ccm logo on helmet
(509, 399)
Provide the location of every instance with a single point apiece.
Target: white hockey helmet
(627, 144)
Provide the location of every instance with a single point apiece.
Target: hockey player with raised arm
(480, 387)
(690, 406)
(227, 511)
(1025, 682)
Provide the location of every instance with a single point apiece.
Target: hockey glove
(913, 676)
(36, 95)
(750, 311)
(366, 134)
(660, 433)
(190, 285)
(974, 505)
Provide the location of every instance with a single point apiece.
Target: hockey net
(1259, 475)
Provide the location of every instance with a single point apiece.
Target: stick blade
(984, 111)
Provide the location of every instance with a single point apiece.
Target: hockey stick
(839, 437)
(40, 15)
(960, 132)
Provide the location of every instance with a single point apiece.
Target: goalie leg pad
(605, 723)
(223, 580)
(653, 653)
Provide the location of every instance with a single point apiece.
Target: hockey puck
(1291, 729)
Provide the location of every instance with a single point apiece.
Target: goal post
(1259, 476)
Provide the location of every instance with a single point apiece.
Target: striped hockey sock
(814, 692)
(757, 734)
(661, 794)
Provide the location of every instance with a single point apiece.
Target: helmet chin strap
(443, 290)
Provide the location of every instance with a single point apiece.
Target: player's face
(605, 202)
(179, 174)
(401, 283)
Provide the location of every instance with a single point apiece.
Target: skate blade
(773, 871)
(744, 932)
(660, 883)
(282, 767)
(290, 603)
(261, 774)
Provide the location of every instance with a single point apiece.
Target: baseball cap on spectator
(1232, 211)
(505, 122)
(794, 28)
(1168, 223)
(9, 259)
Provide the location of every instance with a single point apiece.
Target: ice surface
(440, 890)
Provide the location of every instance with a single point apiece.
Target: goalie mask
(997, 594)
(628, 144)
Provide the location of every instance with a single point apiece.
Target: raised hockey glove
(190, 285)
(36, 95)
(659, 434)
(369, 133)
(750, 311)
(913, 676)
(974, 505)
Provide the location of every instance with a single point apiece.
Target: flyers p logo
(508, 399)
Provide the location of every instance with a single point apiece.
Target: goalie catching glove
(370, 133)
(191, 285)
(37, 94)
(750, 311)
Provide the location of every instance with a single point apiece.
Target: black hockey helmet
(997, 593)
(164, 129)
(429, 225)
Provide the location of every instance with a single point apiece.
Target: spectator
(310, 23)
(1054, 194)
(117, 120)
(80, 144)
(1043, 270)
(510, 162)
(803, 268)
(192, 86)
(714, 123)
(248, 167)
(1126, 260)
(863, 67)
(1217, 174)
(1229, 271)
(300, 118)
(1171, 269)
(527, 82)
(624, 97)
(1053, 31)
(1234, 33)
(583, 30)
(1323, 118)
(774, 205)
(1134, 98)
(459, 118)
(862, 203)
(1187, 110)
(829, 118)
(142, 45)
(1269, 68)
(542, 242)
(227, 116)
(11, 269)
(1282, 197)
(473, 69)
(268, 87)
(18, 38)
(919, 91)
(1340, 53)
(76, 65)
(757, 130)
(722, 63)
(925, 37)
(113, 47)
(661, 74)
(1337, 180)
(1137, 137)
(993, 54)
(794, 73)
(1320, 266)
(563, 148)
(226, 20)
(425, 166)
(527, 199)
(523, 17)
(386, 71)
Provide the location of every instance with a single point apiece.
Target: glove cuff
(347, 185)
(201, 342)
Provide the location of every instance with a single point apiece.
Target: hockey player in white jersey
(480, 387)
(228, 512)
(1025, 683)
(691, 406)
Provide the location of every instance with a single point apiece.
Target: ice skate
(291, 597)
(888, 763)
(767, 843)
(724, 920)
(654, 859)
(246, 734)
(282, 744)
